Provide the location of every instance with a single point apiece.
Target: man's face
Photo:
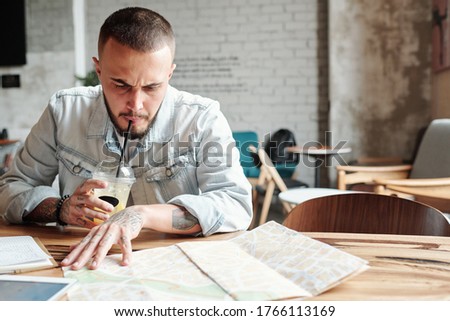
(134, 84)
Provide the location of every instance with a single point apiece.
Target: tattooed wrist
(129, 217)
(43, 213)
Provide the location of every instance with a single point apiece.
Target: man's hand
(82, 206)
(120, 229)
(126, 225)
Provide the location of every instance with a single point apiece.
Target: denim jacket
(187, 158)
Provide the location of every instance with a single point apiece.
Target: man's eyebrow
(121, 81)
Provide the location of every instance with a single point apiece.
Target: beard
(135, 133)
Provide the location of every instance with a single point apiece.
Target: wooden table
(58, 242)
(401, 267)
(320, 155)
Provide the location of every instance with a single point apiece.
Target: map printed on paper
(240, 275)
(270, 262)
(155, 274)
(312, 265)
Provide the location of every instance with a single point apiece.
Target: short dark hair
(138, 28)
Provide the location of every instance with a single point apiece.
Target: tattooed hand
(120, 229)
(82, 206)
(79, 209)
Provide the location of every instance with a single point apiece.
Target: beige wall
(380, 82)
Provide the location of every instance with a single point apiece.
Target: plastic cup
(117, 191)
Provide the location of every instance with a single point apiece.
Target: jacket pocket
(76, 164)
(174, 178)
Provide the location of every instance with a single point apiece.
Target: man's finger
(91, 184)
(90, 214)
(75, 250)
(103, 247)
(125, 246)
(98, 204)
(86, 249)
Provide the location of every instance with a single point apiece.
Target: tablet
(32, 288)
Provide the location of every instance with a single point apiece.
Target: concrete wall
(441, 94)
(264, 60)
(380, 66)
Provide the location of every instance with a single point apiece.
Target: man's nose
(135, 101)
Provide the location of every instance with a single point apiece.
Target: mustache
(138, 115)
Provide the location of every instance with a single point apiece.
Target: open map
(270, 262)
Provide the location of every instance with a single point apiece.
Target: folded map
(270, 262)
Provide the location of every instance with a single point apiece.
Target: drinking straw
(124, 148)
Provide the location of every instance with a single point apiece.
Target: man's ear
(172, 69)
(97, 66)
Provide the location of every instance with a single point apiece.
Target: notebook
(20, 254)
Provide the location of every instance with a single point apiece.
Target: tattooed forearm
(183, 220)
(43, 213)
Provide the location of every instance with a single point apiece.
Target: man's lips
(135, 119)
(132, 119)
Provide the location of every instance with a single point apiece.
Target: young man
(188, 177)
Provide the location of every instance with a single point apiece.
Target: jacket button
(169, 172)
(77, 169)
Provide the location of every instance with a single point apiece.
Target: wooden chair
(367, 213)
(430, 171)
(435, 191)
(348, 175)
(268, 181)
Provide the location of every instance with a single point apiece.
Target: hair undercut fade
(138, 28)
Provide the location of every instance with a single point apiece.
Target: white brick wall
(274, 82)
(268, 50)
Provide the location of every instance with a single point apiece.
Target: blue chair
(244, 139)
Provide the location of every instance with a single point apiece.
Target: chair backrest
(433, 156)
(268, 181)
(367, 213)
(269, 172)
(245, 139)
(275, 146)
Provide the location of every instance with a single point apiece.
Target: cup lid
(110, 170)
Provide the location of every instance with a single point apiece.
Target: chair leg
(287, 207)
(341, 180)
(380, 189)
(266, 203)
(255, 201)
(255, 197)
